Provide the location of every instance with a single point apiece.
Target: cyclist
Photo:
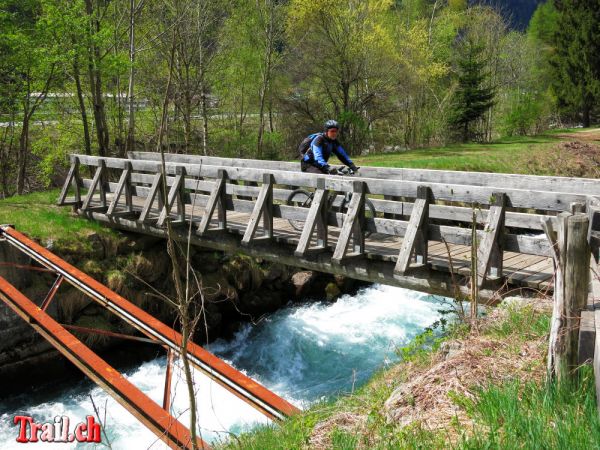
(317, 148)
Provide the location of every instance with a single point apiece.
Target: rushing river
(304, 353)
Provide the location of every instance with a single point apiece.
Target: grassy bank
(38, 216)
(509, 155)
(483, 391)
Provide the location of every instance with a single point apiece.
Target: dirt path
(591, 135)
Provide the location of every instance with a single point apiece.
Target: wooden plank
(415, 239)
(263, 208)
(317, 218)
(352, 227)
(489, 251)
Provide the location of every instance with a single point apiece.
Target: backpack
(305, 144)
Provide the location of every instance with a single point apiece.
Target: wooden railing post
(72, 179)
(262, 208)
(218, 200)
(572, 265)
(415, 240)
(316, 218)
(490, 252)
(353, 227)
(97, 181)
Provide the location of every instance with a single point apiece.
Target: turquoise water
(304, 353)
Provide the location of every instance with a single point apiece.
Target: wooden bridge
(419, 237)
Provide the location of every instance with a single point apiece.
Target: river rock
(303, 281)
(332, 291)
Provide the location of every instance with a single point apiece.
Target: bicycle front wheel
(299, 198)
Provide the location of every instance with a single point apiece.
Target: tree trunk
(130, 144)
(81, 102)
(22, 156)
(204, 112)
(587, 119)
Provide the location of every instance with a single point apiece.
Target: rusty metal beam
(160, 422)
(109, 333)
(233, 380)
(51, 293)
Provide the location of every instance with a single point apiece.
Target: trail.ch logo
(57, 431)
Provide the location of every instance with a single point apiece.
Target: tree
(575, 60)
(472, 98)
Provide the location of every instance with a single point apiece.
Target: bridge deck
(519, 270)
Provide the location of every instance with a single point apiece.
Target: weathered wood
(263, 208)
(74, 180)
(415, 239)
(489, 252)
(353, 226)
(526, 182)
(123, 185)
(217, 200)
(156, 188)
(570, 294)
(176, 193)
(520, 198)
(317, 218)
(97, 180)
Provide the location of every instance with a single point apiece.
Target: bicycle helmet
(331, 124)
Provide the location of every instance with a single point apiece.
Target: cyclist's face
(332, 133)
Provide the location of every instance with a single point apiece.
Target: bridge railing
(509, 219)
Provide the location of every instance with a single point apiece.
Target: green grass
(38, 216)
(507, 155)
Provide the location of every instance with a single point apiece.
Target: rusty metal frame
(236, 382)
(166, 427)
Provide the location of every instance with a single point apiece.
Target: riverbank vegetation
(251, 79)
(484, 390)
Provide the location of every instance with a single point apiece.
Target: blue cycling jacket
(321, 149)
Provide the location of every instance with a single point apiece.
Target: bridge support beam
(156, 188)
(263, 208)
(415, 240)
(353, 227)
(490, 251)
(317, 218)
(73, 179)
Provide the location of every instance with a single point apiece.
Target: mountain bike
(304, 198)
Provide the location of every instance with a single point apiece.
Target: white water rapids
(303, 352)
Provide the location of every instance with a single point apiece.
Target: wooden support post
(217, 199)
(415, 240)
(176, 193)
(123, 185)
(593, 210)
(97, 180)
(263, 208)
(570, 293)
(317, 218)
(154, 189)
(353, 227)
(489, 252)
(74, 180)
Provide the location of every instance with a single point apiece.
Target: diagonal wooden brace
(74, 180)
(97, 180)
(353, 227)
(490, 252)
(157, 187)
(177, 192)
(123, 185)
(317, 218)
(415, 239)
(263, 208)
(217, 200)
